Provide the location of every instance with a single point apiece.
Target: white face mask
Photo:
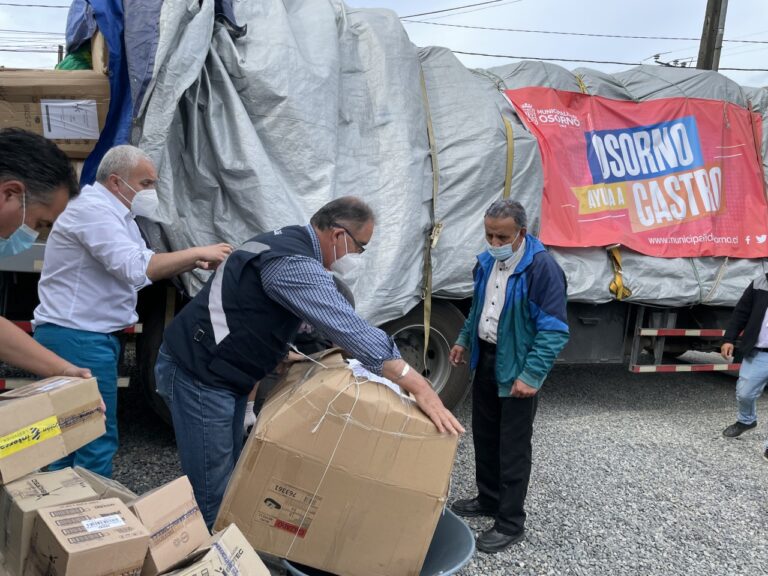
(347, 265)
(145, 202)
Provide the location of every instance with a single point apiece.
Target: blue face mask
(22, 239)
(504, 252)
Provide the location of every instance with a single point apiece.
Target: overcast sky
(746, 20)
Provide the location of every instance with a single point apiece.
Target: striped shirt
(304, 287)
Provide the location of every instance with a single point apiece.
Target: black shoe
(765, 454)
(471, 508)
(737, 429)
(492, 541)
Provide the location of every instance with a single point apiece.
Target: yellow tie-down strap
(29, 436)
(616, 286)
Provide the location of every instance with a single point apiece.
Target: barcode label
(104, 523)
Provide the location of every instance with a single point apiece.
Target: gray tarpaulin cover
(318, 100)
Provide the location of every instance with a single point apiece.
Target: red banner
(677, 177)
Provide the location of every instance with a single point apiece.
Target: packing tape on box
(29, 436)
(80, 416)
(179, 517)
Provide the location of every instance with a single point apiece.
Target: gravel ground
(631, 476)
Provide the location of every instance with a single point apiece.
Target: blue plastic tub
(452, 547)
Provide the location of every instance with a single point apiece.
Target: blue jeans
(753, 376)
(100, 354)
(208, 422)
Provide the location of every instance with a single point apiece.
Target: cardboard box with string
(341, 473)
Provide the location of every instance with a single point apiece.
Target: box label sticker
(29, 436)
(63, 119)
(288, 508)
(104, 523)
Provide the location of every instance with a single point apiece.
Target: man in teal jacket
(515, 330)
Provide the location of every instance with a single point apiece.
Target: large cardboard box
(66, 106)
(341, 473)
(19, 502)
(175, 524)
(76, 404)
(98, 538)
(106, 487)
(30, 436)
(228, 552)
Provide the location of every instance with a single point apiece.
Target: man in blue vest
(515, 330)
(237, 330)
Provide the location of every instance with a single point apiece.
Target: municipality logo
(530, 112)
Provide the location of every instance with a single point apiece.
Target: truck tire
(452, 384)
(151, 307)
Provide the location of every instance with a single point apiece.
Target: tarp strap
(616, 286)
(582, 85)
(437, 227)
(510, 157)
(718, 278)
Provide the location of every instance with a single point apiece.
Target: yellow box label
(29, 436)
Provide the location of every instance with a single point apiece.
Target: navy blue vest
(232, 334)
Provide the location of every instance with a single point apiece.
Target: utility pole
(712, 35)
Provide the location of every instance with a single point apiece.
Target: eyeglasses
(360, 246)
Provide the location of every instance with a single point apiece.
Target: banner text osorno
(675, 177)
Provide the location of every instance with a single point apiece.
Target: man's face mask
(504, 252)
(347, 264)
(22, 239)
(145, 203)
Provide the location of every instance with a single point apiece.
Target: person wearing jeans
(96, 261)
(203, 417)
(750, 316)
(236, 330)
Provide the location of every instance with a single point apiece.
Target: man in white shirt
(95, 263)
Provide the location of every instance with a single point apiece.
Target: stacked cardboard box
(46, 420)
(30, 437)
(95, 538)
(341, 473)
(68, 107)
(228, 552)
(175, 524)
(19, 502)
(106, 487)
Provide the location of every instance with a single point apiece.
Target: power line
(546, 59)
(41, 33)
(582, 60)
(27, 50)
(473, 10)
(32, 5)
(450, 9)
(574, 33)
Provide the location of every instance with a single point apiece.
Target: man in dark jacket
(237, 330)
(749, 316)
(515, 330)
